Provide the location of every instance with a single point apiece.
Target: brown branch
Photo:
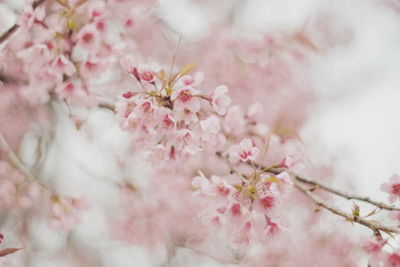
(337, 192)
(299, 184)
(375, 226)
(15, 28)
(106, 105)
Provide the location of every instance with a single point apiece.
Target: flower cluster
(64, 47)
(248, 202)
(168, 115)
(392, 188)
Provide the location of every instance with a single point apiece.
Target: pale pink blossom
(74, 92)
(190, 80)
(392, 188)
(209, 127)
(234, 121)
(273, 226)
(373, 247)
(254, 111)
(392, 260)
(64, 65)
(89, 38)
(245, 151)
(395, 215)
(185, 98)
(127, 63)
(219, 100)
(96, 9)
(167, 121)
(30, 15)
(186, 115)
(213, 187)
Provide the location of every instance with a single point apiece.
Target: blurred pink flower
(244, 151)
(392, 188)
(219, 100)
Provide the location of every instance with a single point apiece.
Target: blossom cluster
(63, 48)
(247, 203)
(168, 115)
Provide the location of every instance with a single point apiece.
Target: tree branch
(107, 106)
(16, 162)
(337, 192)
(375, 226)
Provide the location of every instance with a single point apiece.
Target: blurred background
(339, 59)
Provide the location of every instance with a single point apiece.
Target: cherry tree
(210, 156)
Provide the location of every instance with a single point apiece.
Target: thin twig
(107, 106)
(375, 226)
(299, 184)
(16, 162)
(14, 28)
(337, 192)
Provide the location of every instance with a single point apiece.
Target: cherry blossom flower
(185, 98)
(213, 187)
(65, 65)
(392, 188)
(209, 127)
(31, 15)
(219, 100)
(127, 63)
(273, 227)
(96, 10)
(234, 121)
(392, 260)
(88, 38)
(254, 111)
(373, 247)
(73, 92)
(244, 151)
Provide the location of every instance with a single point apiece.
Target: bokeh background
(346, 110)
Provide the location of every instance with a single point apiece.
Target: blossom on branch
(392, 188)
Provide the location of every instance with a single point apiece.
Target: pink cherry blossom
(64, 65)
(30, 15)
(74, 92)
(244, 151)
(88, 38)
(209, 127)
(273, 226)
(127, 63)
(219, 100)
(185, 98)
(392, 188)
(189, 80)
(213, 187)
(393, 260)
(96, 10)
